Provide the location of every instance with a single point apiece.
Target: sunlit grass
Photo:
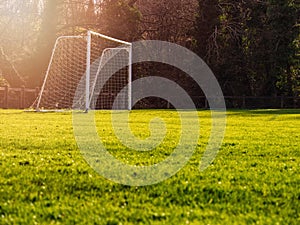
(254, 179)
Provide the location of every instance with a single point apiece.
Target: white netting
(66, 68)
(109, 73)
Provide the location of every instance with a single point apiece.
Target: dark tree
(251, 45)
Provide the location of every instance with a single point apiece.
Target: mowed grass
(255, 178)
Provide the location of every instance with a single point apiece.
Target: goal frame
(87, 74)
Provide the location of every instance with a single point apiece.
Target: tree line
(252, 46)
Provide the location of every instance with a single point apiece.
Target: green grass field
(255, 178)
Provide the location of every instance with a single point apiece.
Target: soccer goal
(87, 72)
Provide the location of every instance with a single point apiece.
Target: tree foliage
(251, 45)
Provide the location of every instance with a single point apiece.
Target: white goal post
(87, 72)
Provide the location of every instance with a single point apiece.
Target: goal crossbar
(110, 38)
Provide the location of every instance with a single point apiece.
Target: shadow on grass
(264, 111)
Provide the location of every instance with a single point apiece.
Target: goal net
(87, 72)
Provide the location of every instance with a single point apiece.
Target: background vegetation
(251, 45)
